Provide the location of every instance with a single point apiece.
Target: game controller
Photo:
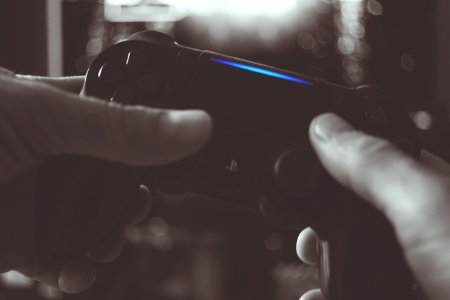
(259, 155)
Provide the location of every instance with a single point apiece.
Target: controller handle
(359, 254)
(74, 193)
(360, 258)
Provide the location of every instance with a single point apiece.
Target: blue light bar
(261, 71)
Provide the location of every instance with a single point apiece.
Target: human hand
(415, 197)
(42, 117)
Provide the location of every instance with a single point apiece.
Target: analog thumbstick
(297, 172)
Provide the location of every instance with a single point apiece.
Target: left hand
(17, 218)
(41, 117)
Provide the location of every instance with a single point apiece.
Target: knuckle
(438, 188)
(6, 72)
(138, 134)
(360, 152)
(370, 146)
(371, 151)
(157, 124)
(148, 134)
(115, 130)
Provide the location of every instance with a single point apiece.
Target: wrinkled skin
(42, 117)
(415, 197)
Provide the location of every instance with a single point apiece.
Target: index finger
(41, 121)
(70, 84)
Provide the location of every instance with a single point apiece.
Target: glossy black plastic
(259, 155)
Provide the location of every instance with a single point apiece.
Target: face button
(137, 61)
(124, 94)
(297, 172)
(110, 74)
(376, 114)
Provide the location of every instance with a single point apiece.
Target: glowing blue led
(261, 71)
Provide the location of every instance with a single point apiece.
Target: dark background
(245, 257)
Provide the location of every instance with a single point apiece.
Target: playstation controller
(259, 155)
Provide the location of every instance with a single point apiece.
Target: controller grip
(79, 200)
(360, 257)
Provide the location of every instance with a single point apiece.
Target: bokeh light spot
(423, 120)
(374, 7)
(407, 62)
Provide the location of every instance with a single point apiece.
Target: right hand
(415, 197)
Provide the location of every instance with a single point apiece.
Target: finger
(140, 209)
(307, 246)
(118, 212)
(312, 295)
(39, 121)
(108, 249)
(6, 72)
(398, 185)
(70, 83)
(69, 275)
(77, 275)
(412, 195)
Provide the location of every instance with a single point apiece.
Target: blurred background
(194, 249)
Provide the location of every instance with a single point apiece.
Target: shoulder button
(377, 115)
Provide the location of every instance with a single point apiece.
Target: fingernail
(140, 207)
(325, 126)
(108, 250)
(77, 276)
(189, 126)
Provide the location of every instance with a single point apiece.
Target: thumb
(38, 120)
(414, 197)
